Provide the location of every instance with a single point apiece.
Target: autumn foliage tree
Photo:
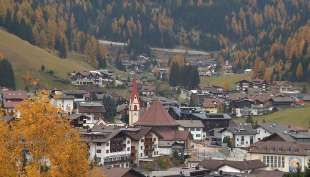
(41, 143)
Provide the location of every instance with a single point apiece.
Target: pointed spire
(134, 89)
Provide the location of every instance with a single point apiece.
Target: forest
(249, 33)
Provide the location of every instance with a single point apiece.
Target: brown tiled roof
(139, 133)
(14, 94)
(280, 147)
(173, 135)
(156, 115)
(212, 102)
(241, 165)
(120, 172)
(264, 173)
(91, 108)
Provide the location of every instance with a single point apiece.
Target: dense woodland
(249, 33)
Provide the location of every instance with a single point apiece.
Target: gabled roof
(214, 165)
(138, 133)
(276, 129)
(20, 94)
(120, 172)
(280, 147)
(156, 115)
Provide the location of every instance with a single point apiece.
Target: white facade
(66, 105)
(280, 162)
(240, 141)
(261, 133)
(228, 169)
(101, 151)
(198, 134)
(134, 110)
(244, 140)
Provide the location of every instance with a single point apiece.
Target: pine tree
(7, 78)
(299, 72)
(174, 75)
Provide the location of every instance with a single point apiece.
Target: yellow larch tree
(41, 143)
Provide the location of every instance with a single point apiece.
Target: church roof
(156, 115)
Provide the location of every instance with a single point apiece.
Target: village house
(209, 120)
(84, 121)
(144, 143)
(85, 78)
(244, 85)
(120, 172)
(79, 95)
(92, 109)
(242, 136)
(232, 167)
(10, 99)
(148, 90)
(195, 127)
(277, 132)
(282, 101)
(63, 102)
(213, 105)
(107, 146)
(280, 155)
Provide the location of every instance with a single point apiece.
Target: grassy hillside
(299, 117)
(28, 58)
(225, 79)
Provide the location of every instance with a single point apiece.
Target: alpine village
(155, 88)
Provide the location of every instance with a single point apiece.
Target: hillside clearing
(224, 79)
(28, 58)
(299, 117)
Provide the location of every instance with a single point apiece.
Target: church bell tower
(134, 103)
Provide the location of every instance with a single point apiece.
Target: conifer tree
(7, 78)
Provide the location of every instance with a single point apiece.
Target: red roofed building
(134, 103)
(161, 122)
(156, 116)
(12, 98)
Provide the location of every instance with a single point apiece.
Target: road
(190, 52)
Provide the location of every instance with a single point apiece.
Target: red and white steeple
(134, 103)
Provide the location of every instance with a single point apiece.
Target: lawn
(28, 58)
(224, 79)
(299, 117)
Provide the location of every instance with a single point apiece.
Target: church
(157, 118)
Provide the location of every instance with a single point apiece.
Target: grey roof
(90, 104)
(212, 116)
(300, 135)
(243, 129)
(190, 123)
(283, 99)
(98, 135)
(280, 130)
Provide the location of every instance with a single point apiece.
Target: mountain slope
(28, 58)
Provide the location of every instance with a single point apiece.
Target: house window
(141, 147)
(128, 142)
(107, 151)
(128, 149)
(98, 151)
(108, 144)
(135, 108)
(141, 155)
(98, 144)
(242, 140)
(198, 136)
(154, 139)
